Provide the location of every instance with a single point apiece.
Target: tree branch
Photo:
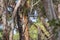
(16, 7)
(36, 3)
(32, 5)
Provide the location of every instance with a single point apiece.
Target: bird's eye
(10, 9)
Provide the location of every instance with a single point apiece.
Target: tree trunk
(22, 22)
(11, 3)
(5, 27)
(59, 11)
(19, 23)
(11, 31)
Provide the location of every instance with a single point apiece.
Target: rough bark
(5, 27)
(12, 4)
(50, 12)
(25, 27)
(22, 22)
(11, 30)
(59, 11)
(20, 29)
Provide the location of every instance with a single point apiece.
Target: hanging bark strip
(25, 27)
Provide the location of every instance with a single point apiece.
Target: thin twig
(36, 3)
(50, 37)
(32, 5)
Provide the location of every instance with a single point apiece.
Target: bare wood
(25, 27)
(16, 7)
